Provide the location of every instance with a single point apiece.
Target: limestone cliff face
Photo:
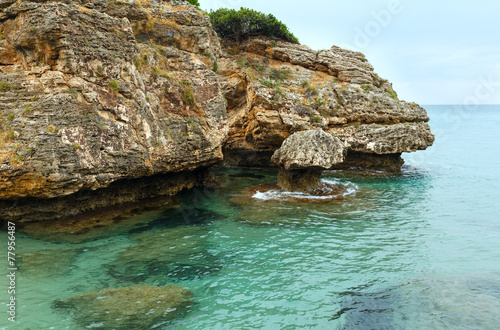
(96, 91)
(106, 102)
(276, 88)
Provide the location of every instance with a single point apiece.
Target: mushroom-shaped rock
(303, 156)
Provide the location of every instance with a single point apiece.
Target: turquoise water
(420, 250)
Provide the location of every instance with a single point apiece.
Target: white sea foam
(279, 194)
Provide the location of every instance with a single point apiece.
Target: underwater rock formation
(46, 263)
(135, 307)
(303, 156)
(175, 253)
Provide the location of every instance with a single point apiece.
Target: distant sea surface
(418, 250)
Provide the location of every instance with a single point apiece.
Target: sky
(433, 51)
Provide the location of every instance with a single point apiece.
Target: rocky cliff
(277, 88)
(112, 101)
(97, 92)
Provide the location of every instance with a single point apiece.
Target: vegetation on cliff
(245, 23)
(193, 2)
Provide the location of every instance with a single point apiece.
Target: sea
(416, 250)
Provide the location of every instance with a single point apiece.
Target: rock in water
(303, 156)
(309, 149)
(136, 307)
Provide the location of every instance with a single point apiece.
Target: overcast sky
(433, 51)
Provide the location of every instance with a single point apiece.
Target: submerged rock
(46, 263)
(267, 204)
(175, 253)
(465, 301)
(303, 156)
(105, 223)
(135, 307)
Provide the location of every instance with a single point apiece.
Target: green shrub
(311, 91)
(259, 67)
(280, 74)
(392, 94)
(270, 83)
(27, 110)
(319, 102)
(242, 62)
(187, 94)
(140, 61)
(157, 72)
(278, 95)
(245, 23)
(113, 85)
(4, 86)
(367, 88)
(215, 67)
(315, 119)
(193, 2)
(51, 129)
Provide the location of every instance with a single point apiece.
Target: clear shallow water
(419, 250)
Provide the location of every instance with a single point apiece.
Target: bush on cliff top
(193, 2)
(246, 23)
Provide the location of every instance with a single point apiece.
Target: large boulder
(309, 149)
(303, 156)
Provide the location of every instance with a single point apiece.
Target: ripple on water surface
(390, 253)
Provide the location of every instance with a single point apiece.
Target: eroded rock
(277, 88)
(95, 92)
(303, 156)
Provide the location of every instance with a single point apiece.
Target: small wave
(351, 187)
(274, 194)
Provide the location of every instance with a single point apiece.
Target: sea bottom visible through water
(417, 250)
